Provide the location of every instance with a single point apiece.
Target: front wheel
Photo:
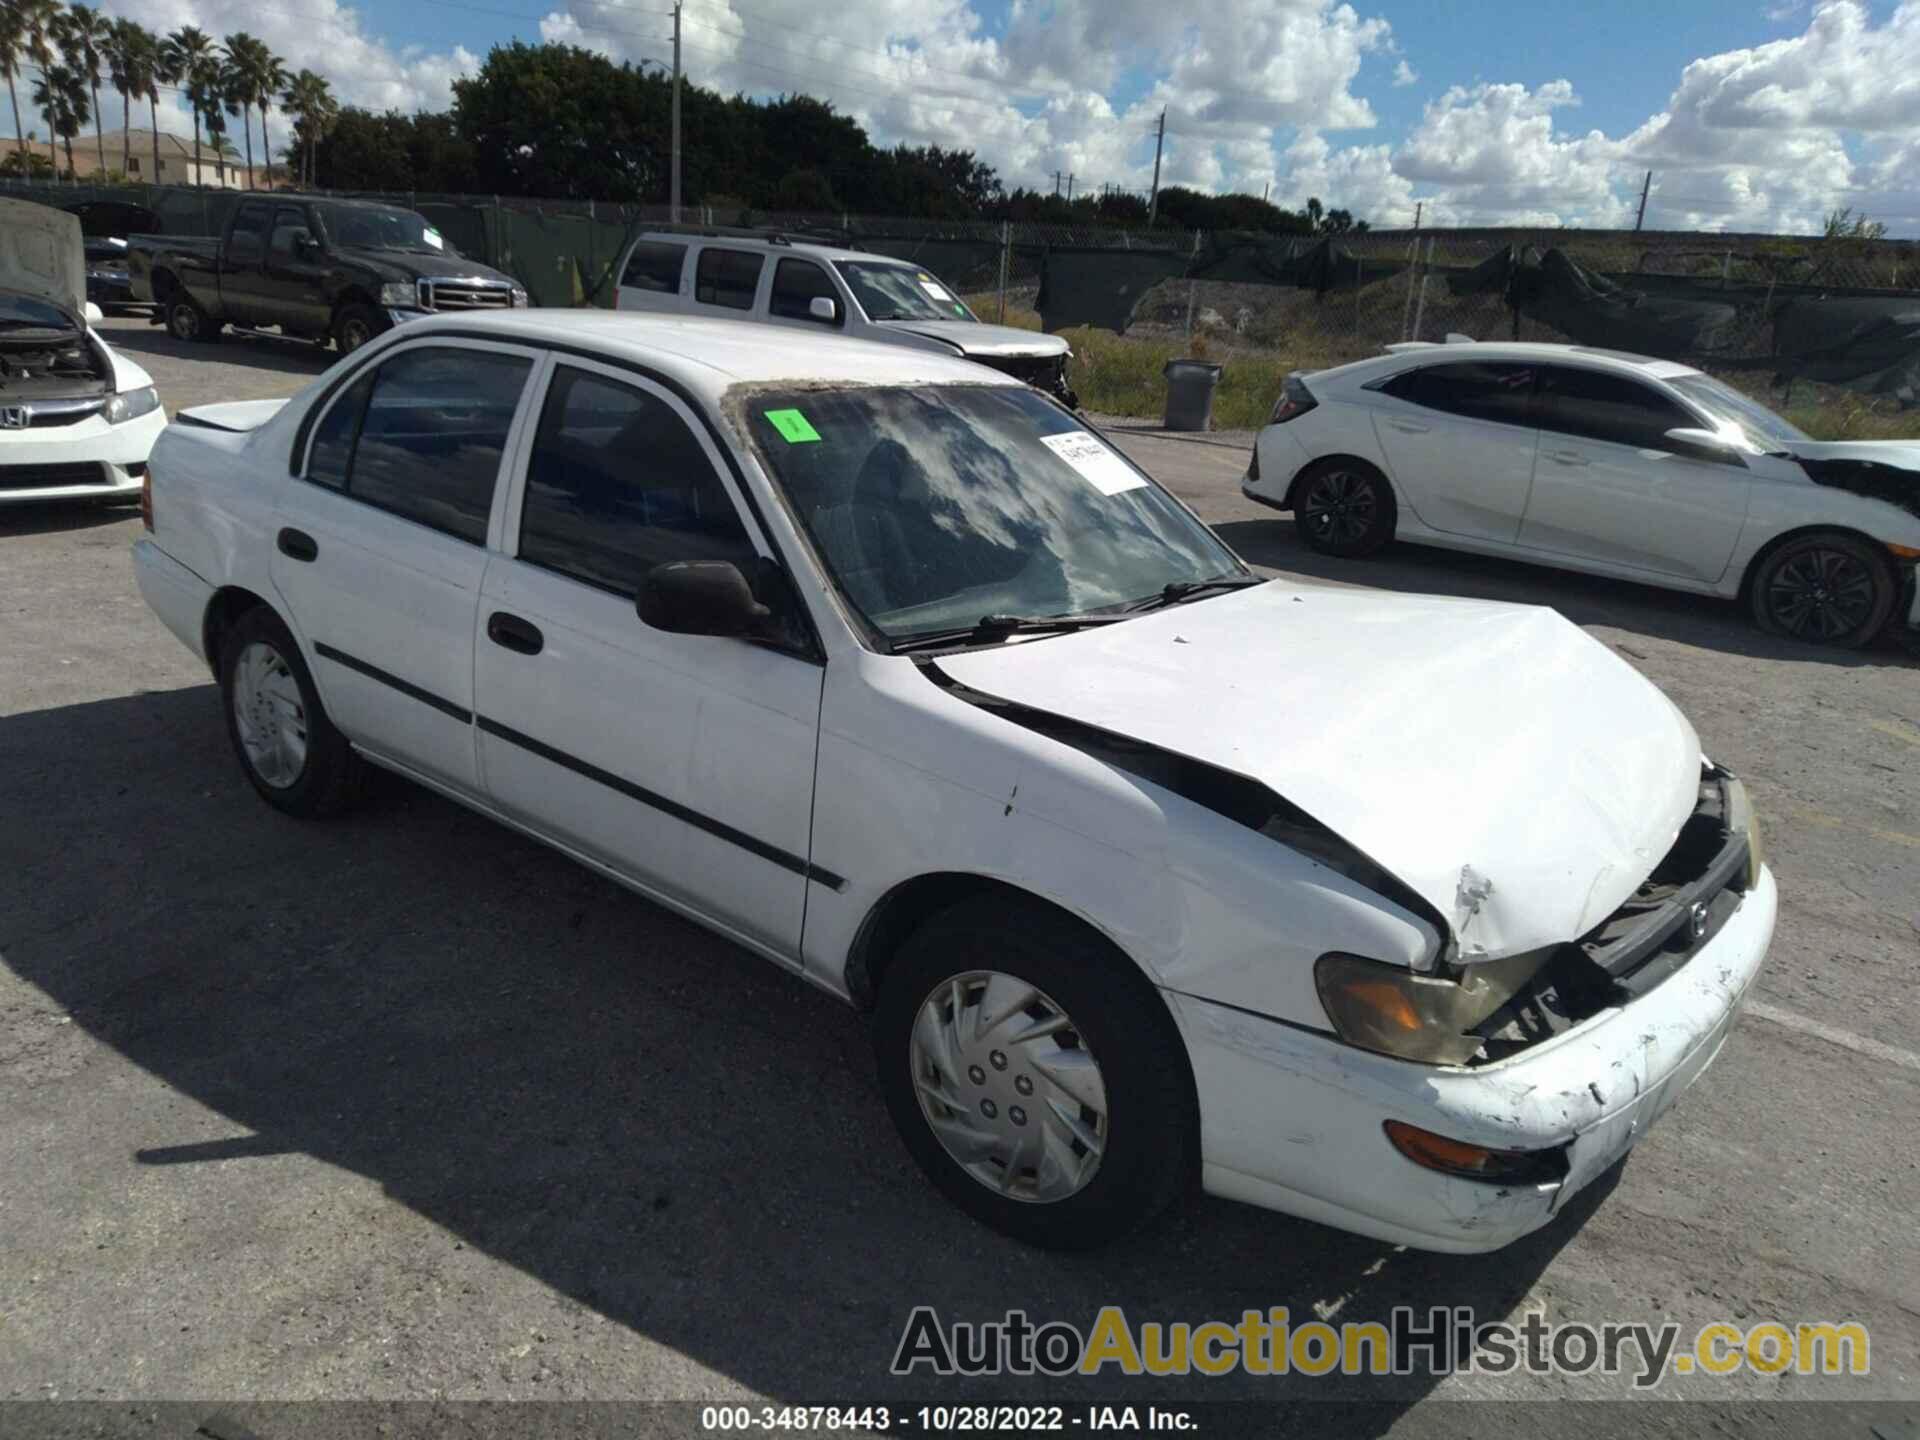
(1827, 588)
(1036, 1078)
(1344, 507)
(355, 326)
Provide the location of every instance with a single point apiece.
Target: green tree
(1843, 224)
(13, 49)
(86, 40)
(559, 120)
(61, 92)
(309, 100)
(188, 52)
(129, 57)
(40, 22)
(237, 86)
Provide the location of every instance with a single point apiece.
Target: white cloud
(1404, 74)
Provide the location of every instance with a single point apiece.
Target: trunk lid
(1511, 770)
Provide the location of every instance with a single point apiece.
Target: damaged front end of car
(51, 365)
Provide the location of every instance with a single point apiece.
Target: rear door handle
(298, 545)
(513, 633)
(1566, 457)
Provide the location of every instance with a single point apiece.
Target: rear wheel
(292, 754)
(1036, 1079)
(1344, 507)
(1828, 588)
(187, 321)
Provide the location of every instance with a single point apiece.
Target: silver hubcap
(1009, 1087)
(269, 715)
(353, 335)
(186, 324)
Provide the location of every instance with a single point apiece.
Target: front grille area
(464, 295)
(44, 414)
(46, 477)
(1042, 370)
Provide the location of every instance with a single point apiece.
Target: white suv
(777, 281)
(1404, 914)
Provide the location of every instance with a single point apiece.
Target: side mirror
(303, 242)
(700, 597)
(1698, 444)
(822, 307)
(93, 313)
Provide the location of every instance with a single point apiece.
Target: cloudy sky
(1752, 114)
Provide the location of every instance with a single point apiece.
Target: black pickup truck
(318, 268)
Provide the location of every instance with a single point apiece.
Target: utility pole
(675, 201)
(1069, 187)
(1159, 140)
(1418, 207)
(1056, 180)
(1645, 186)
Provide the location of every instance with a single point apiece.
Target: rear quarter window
(655, 265)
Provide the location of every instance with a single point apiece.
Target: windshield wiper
(999, 627)
(1180, 590)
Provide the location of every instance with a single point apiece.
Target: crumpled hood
(977, 339)
(1886, 470)
(1512, 771)
(42, 255)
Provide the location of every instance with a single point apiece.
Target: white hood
(1905, 453)
(977, 339)
(1458, 743)
(42, 255)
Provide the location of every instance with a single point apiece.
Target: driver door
(293, 282)
(682, 762)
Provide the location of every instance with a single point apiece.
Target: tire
(355, 325)
(1344, 507)
(188, 322)
(288, 748)
(1826, 587)
(1088, 1164)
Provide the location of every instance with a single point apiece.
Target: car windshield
(936, 506)
(1729, 408)
(900, 292)
(376, 227)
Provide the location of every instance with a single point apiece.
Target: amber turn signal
(1475, 1162)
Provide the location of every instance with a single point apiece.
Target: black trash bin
(1190, 386)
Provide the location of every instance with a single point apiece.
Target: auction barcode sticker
(1097, 464)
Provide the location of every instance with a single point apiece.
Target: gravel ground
(408, 1107)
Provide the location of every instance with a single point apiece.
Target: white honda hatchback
(1597, 461)
(1407, 915)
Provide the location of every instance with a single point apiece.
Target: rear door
(683, 762)
(1460, 440)
(383, 541)
(242, 256)
(726, 281)
(1610, 487)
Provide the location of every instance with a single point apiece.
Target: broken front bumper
(1292, 1120)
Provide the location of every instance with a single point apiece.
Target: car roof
(711, 355)
(784, 246)
(1593, 357)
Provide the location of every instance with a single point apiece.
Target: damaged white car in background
(77, 419)
(1408, 915)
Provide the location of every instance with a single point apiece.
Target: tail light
(146, 499)
(1295, 400)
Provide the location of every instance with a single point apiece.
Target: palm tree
(310, 101)
(128, 71)
(168, 69)
(188, 50)
(62, 93)
(87, 37)
(206, 93)
(40, 19)
(269, 79)
(236, 87)
(13, 44)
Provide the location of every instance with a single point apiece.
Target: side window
(655, 265)
(287, 220)
(1597, 406)
(432, 427)
(247, 240)
(332, 452)
(795, 284)
(618, 484)
(1476, 389)
(727, 277)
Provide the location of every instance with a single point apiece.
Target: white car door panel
(1609, 488)
(684, 762)
(381, 547)
(1459, 440)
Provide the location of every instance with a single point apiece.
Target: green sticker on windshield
(794, 427)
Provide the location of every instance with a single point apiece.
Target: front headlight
(1409, 1016)
(518, 297)
(400, 293)
(130, 404)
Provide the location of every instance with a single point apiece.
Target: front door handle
(1566, 457)
(513, 633)
(298, 545)
(1409, 426)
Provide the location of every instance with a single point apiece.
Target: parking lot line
(1833, 1035)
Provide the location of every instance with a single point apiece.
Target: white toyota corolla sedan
(77, 419)
(1407, 915)
(1597, 461)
